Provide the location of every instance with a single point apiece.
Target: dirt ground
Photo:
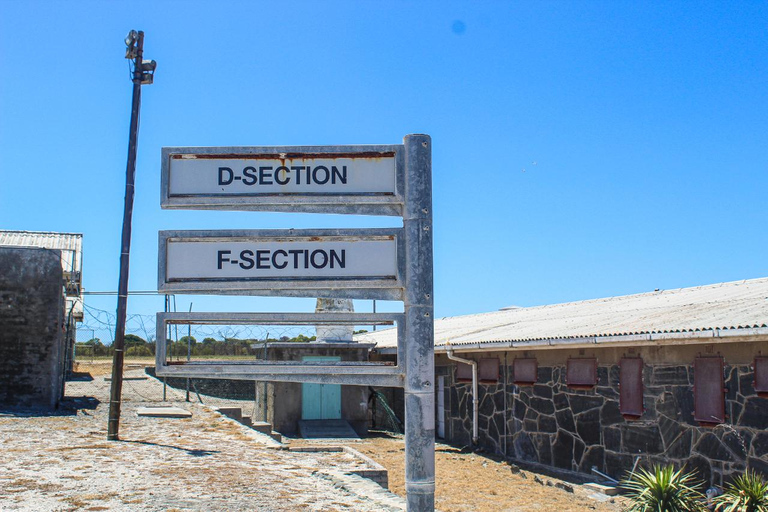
(38, 472)
(62, 461)
(473, 482)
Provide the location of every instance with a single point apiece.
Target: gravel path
(206, 462)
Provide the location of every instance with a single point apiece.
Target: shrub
(138, 351)
(662, 489)
(747, 493)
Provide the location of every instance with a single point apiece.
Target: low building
(671, 376)
(291, 407)
(70, 250)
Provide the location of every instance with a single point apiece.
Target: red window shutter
(488, 370)
(708, 387)
(631, 387)
(581, 373)
(525, 371)
(761, 376)
(463, 372)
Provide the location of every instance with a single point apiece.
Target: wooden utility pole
(143, 72)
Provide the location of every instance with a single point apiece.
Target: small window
(488, 370)
(581, 373)
(708, 391)
(761, 376)
(463, 372)
(631, 387)
(526, 371)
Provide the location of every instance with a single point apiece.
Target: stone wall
(552, 424)
(31, 327)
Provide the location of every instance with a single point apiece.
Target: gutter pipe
(473, 364)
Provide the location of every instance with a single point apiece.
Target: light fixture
(130, 39)
(130, 44)
(147, 71)
(148, 66)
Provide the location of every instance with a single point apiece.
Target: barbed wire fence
(93, 358)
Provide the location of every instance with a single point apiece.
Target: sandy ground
(208, 462)
(473, 482)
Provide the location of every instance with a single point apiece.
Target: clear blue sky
(581, 149)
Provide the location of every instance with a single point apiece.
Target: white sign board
(280, 259)
(347, 179)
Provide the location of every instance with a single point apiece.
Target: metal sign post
(419, 327)
(390, 264)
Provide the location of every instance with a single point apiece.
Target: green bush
(664, 490)
(138, 351)
(747, 493)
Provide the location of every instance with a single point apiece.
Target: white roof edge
(694, 336)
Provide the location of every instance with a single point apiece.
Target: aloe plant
(747, 493)
(664, 489)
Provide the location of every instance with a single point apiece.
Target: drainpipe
(473, 364)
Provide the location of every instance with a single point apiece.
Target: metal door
(321, 401)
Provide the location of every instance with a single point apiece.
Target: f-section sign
(298, 260)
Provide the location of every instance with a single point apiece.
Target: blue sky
(580, 149)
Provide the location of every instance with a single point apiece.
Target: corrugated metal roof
(738, 304)
(70, 245)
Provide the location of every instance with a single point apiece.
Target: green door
(321, 401)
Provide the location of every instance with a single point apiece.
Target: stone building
(69, 247)
(32, 343)
(671, 376)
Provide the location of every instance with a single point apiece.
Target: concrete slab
(326, 429)
(604, 489)
(163, 412)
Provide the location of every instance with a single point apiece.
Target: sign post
(389, 264)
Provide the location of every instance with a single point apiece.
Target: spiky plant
(747, 493)
(663, 489)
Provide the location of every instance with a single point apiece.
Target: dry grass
(472, 482)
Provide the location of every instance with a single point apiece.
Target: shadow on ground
(69, 406)
(193, 453)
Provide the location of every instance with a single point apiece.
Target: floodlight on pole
(130, 44)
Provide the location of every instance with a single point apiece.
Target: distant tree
(191, 339)
(132, 340)
(94, 347)
(139, 351)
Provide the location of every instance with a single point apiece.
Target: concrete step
(262, 426)
(277, 436)
(163, 412)
(608, 490)
(236, 413)
(246, 420)
(326, 429)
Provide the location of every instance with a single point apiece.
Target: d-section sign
(321, 179)
(304, 263)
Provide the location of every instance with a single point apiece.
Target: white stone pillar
(334, 333)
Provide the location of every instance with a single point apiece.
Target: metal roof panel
(738, 304)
